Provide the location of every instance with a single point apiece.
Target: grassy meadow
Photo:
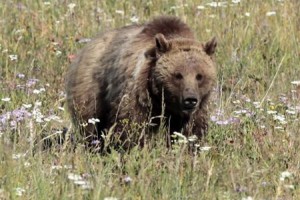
(251, 150)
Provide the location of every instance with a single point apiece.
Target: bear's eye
(199, 77)
(178, 76)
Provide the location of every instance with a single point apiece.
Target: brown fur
(132, 73)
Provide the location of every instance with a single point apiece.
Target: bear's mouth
(188, 110)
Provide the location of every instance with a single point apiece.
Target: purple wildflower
(213, 118)
(31, 82)
(20, 114)
(234, 120)
(283, 99)
(4, 118)
(11, 119)
(222, 122)
(95, 142)
(231, 120)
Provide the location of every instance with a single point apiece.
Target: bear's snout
(190, 103)
(190, 100)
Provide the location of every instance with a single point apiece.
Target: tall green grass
(254, 132)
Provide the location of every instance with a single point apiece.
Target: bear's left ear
(161, 43)
(210, 46)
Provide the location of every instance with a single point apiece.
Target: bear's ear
(210, 46)
(161, 43)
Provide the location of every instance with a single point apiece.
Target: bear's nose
(189, 103)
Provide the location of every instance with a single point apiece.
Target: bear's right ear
(161, 43)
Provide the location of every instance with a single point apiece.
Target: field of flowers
(251, 150)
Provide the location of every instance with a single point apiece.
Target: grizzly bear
(136, 78)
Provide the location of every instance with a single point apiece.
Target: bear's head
(183, 73)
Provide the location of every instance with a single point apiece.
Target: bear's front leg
(131, 126)
(198, 125)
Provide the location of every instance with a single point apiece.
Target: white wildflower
(27, 105)
(56, 167)
(61, 108)
(256, 104)
(110, 198)
(58, 53)
(295, 83)
(200, 7)
(236, 102)
(18, 156)
(279, 118)
(37, 103)
(236, 1)
(127, 179)
(217, 4)
(19, 191)
(120, 12)
(238, 112)
(21, 76)
(280, 128)
(247, 198)
(27, 164)
(13, 57)
(284, 175)
(292, 187)
(71, 6)
(247, 14)
(93, 121)
(193, 138)
(134, 19)
(181, 137)
(270, 13)
(291, 111)
(74, 177)
(20, 31)
(53, 117)
(83, 183)
(36, 91)
(6, 99)
(37, 115)
(272, 112)
(206, 148)
(79, 180)
(174, 7)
